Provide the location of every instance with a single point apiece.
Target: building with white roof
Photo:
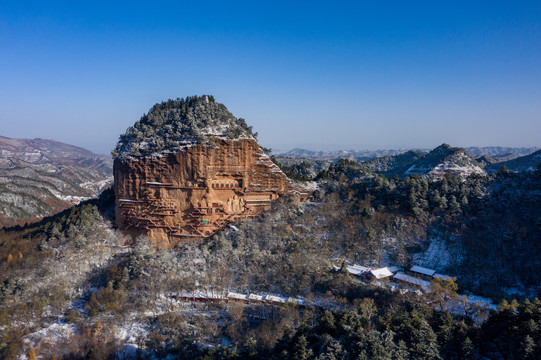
(276, 299)
(236, 296)
(378, 274)
(357, 270)
(255, 297)
(423, 271)
(412, 280)
(296, 301)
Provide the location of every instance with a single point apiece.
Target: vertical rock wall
(196, 191)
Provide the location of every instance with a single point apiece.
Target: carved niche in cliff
(196, 191)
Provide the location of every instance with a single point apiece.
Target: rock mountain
(188, 168)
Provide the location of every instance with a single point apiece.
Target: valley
(38, 178)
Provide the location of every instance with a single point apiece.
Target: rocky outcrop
(195, 191)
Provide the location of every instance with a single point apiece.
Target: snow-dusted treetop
(174, 123)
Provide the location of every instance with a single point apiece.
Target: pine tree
(467, 349)
(401, 352)
(527, 348)
(301, 351)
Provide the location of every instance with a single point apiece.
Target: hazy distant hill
(500, 151)
(486, 160)
(523, 163)
(46, 154)
(356, 155)
(391, 165)
(440, 161)
(445, 160)
(39, 177)
(303, 169)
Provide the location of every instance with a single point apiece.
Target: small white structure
(381, 273)
(158, 183)
(236, 296)
(296, 301)
(423, 271)
(412, 280)
(255, 297)
(357, 270)
(275, 299)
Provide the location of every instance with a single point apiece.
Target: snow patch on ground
(310, 186)
(474, 306)
(481, 301)
(130, 332)
(72, 198)
(454, 169)
(97, 185)
(437, 256)
(51, 334)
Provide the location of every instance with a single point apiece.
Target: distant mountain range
(38, 177)
(499, 152)
(435, 163)
(440, 161)
(356, 155)
(523, 163)
(391, 165)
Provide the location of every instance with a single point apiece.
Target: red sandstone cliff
(195, 191)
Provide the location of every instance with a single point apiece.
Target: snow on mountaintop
(501, 152)
(442, 160)
(46, 155)
(445, 160)
(175, 124)
(355, 155)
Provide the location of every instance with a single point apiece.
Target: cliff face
(196, 191)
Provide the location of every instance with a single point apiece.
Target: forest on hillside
(173, 123)
(72, 272)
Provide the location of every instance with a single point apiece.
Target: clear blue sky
(318, 75)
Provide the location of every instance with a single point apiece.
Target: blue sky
(317, 75)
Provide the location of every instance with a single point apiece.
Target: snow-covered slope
(355, 155)
(39, 177)
(446, 160)
(523, 163)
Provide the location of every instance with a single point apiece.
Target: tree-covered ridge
(71, 272)
(173, 123)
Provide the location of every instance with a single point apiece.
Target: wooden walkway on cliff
(151, 212)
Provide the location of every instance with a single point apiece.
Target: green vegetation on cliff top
(174, 123)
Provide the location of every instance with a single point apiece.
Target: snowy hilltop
(173, 124)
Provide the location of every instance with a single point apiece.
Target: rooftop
(425, 285)
(381, 273)
(422, 270)
(357, 270)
